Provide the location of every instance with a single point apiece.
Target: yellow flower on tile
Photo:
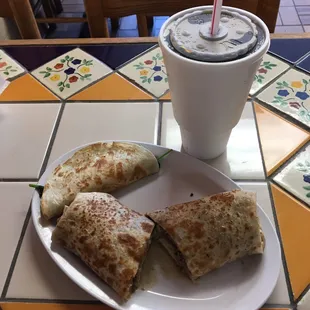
(84, 69)
(144, 72)
(55, 77)
(297, 84)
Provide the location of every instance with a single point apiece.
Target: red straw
(217, 8)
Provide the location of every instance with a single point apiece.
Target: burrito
(100, 167)
(205, 234)
(110, 238)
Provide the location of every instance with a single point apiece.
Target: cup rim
(251, 57)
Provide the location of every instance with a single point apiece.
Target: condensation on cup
(210, 76)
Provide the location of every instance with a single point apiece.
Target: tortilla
(110, 238)
(205, 234)
(100, 167)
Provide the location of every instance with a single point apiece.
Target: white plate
(242, 285)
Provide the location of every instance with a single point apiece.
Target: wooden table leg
(142, 26)
(25, 20)
(150, 22)
(115, 23)
(97, 22)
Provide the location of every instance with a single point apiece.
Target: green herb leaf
(164, 155)
(38, 188)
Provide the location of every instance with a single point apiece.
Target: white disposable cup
(208, 98)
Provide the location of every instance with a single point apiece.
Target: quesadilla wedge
(205, 234)
(110, 238)
(100, 167)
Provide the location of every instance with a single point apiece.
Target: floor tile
(166, 96)
(291, 95)
(31, 266)
(305, 19)
(269, 69)
(128, 23)
(149, 72)
(293, 219)
(286, 3)
(39, 54)
(240, 161)
(296, 176)
(305, 64)
(25, 130)
(307, 28)
(9, 68)
(71, 72)
(105, 121)
(14, 204)
(289, 29)
(302, 2)
(289, 16)
(73, 8)
(303, 10)
(304, 304)
(116, 55)
(109, 89)
(280, 293)
(49, 306)
(279, 138)
(288, 49)
(27, 88)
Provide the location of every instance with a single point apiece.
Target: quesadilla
(110, 238)
(100, 167)
(205, 234)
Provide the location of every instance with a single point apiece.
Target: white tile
(307, 28)
(304, 304)
(71, 72)
(279, 21)
(286, 3)
(149, 72)
(14, 204)
(289, 29)
(242, 160)
(280, 293)
(37, 276)
(302, 2)
(269, 69)
(25, 130)
(295, 177)
(9, 68)
(289, 16)
(88, 122)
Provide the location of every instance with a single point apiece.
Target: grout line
(52, 139)
(14, 260)
(303, 294)
(277, 227)
(52, 301)
(18, 180)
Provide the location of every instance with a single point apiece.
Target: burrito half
(205, 234)
(100, 167)
(110, 238)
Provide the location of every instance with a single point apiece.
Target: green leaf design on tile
(307, 188)
(61, 89)
(308, 195)
(47, 74)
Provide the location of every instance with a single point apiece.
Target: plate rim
(76, 281)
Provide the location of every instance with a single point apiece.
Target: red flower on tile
(3, 64)
(262, 70)
(148, 62)
(73, 79)
(58, 66)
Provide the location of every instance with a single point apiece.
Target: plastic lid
(191, 36)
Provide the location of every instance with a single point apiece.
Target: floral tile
(293, 219)
(279, 138)
(9, 68)
(108, 89)
(71, 72)
(149, 72)
(269, 69)
(291, 95)
(296, 176)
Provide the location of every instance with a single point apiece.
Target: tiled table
(62, 96)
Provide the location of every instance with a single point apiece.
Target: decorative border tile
(296, 176)
(71, 72)
(269, 69)
(149, 72)
(9, 68)
(291, 95)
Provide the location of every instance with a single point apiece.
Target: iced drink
(210, 76)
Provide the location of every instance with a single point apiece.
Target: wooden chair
(21, 12)
(98, 11)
